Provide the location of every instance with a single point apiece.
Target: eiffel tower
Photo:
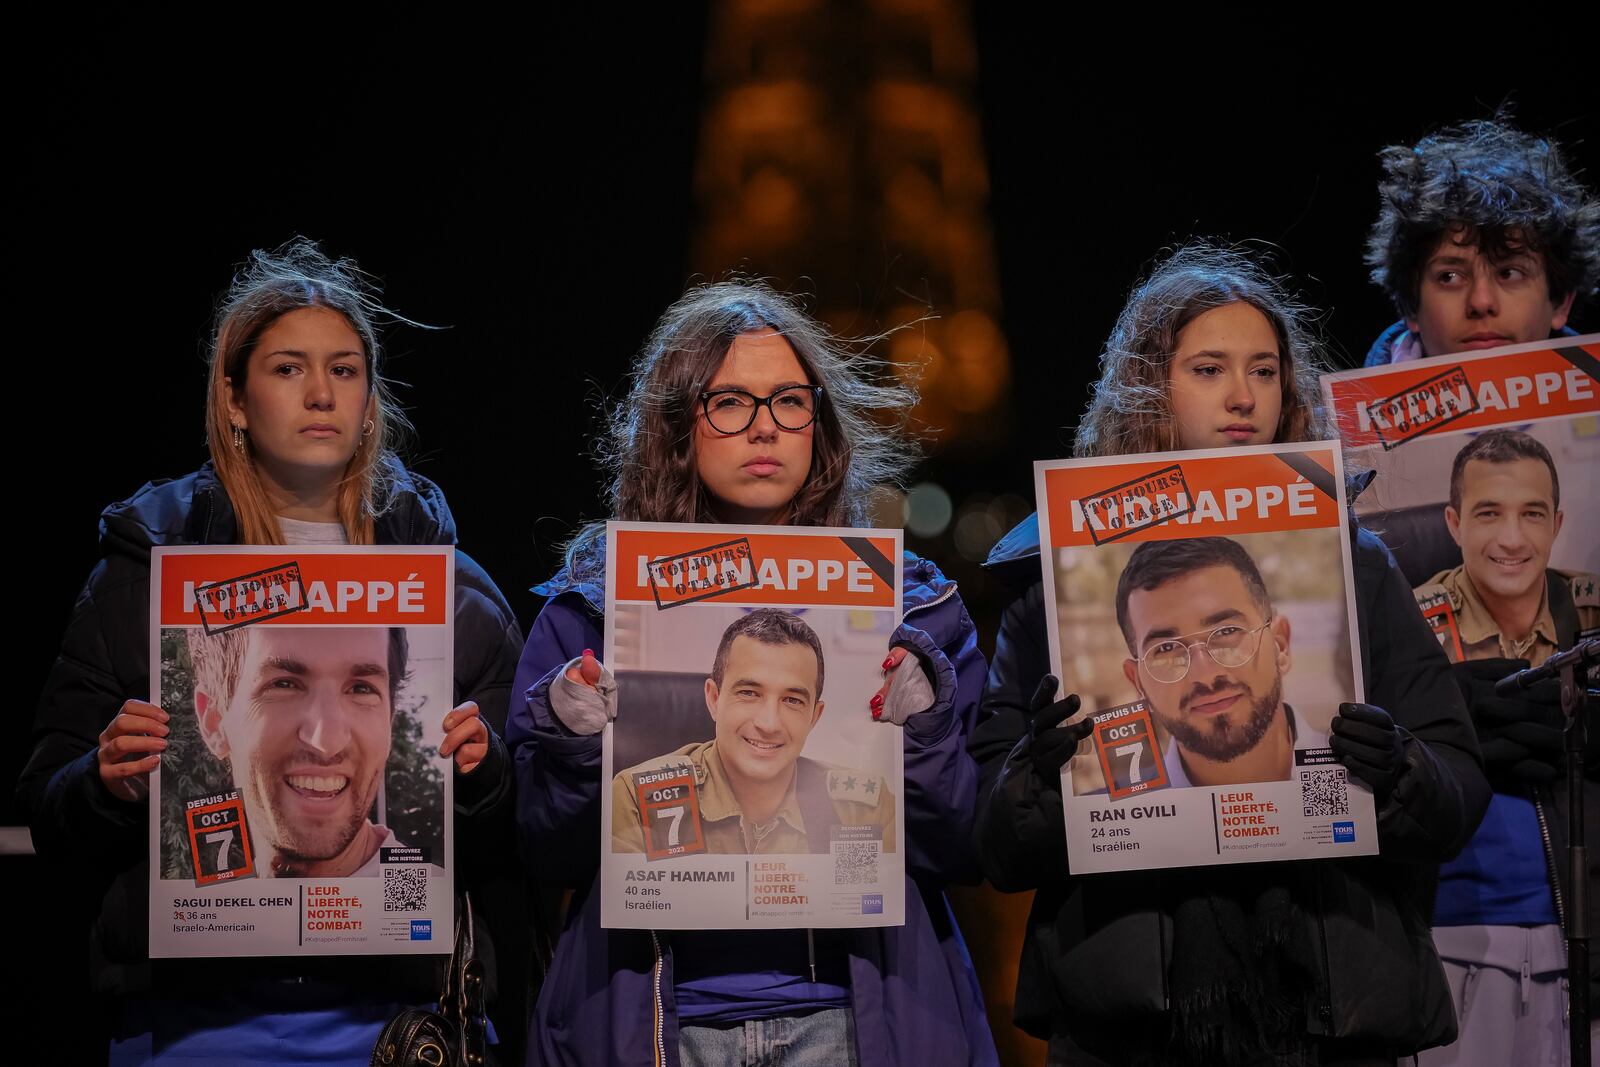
(840, 154)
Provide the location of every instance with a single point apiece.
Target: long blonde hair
(272, 284)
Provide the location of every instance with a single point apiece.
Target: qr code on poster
(1324, 791)
(855, 862)
(405, 889)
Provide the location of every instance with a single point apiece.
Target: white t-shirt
(301, 532)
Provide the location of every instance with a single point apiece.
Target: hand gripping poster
(301, 806)
(749, 786)
(1484, 488)
(1201, 606)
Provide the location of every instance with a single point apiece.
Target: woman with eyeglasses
(1302, 962)
(743, 410)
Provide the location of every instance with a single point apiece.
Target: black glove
(1476, 677)
(1519, 735)
(1367, 742)
(1052, 744)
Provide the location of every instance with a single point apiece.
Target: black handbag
(455, 1035)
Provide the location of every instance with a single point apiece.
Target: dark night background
(535, 198)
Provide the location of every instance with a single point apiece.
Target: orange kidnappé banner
(1191, 495)
(1482, 485)
(1202, 609)
(677, 566)
(751, 777)
(1389, 406)
(220, 591)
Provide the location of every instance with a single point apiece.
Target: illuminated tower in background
(841, 153)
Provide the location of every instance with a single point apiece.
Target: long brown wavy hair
(272, 284)
(1130, 409)
(860, 444)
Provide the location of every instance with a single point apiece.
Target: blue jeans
(824, 1038)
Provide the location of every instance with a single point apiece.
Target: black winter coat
(98, 841)
(1097, 948)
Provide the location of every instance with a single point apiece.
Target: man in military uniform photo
(1499, 906)
(1505, 513)
(752, 790)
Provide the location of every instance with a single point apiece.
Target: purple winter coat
(608, 998)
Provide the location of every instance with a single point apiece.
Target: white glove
(910, 692)
(584, 707)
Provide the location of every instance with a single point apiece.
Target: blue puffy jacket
(608, 997)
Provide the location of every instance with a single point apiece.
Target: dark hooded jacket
(98, 842)
(1098, 949)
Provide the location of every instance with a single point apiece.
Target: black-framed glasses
(1228, 646)
(731, 411)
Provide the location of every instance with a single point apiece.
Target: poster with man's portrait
(748, 784)
(1201, 606)
(301, 805)
(1483, 485)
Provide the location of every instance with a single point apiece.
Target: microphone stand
(1571, 666)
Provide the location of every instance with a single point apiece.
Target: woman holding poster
(301, 430)
(744, 411)
(1305, 961)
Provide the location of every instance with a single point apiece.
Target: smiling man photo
(303, 716)
(756, 793)
(1208, 654)
(1505, 513)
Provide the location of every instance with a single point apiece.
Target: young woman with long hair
(301, 430)
(743, 410)
(1312, 962)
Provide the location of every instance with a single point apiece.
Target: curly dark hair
(1492, 187)
(860, 444)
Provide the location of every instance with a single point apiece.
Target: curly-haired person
(1484, 237)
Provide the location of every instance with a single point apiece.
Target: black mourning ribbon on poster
(1312, 471)
(1581, 359)
(875, 560)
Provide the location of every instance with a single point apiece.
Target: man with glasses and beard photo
(1208, 654)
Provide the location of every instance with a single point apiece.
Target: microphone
(1585, 651)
